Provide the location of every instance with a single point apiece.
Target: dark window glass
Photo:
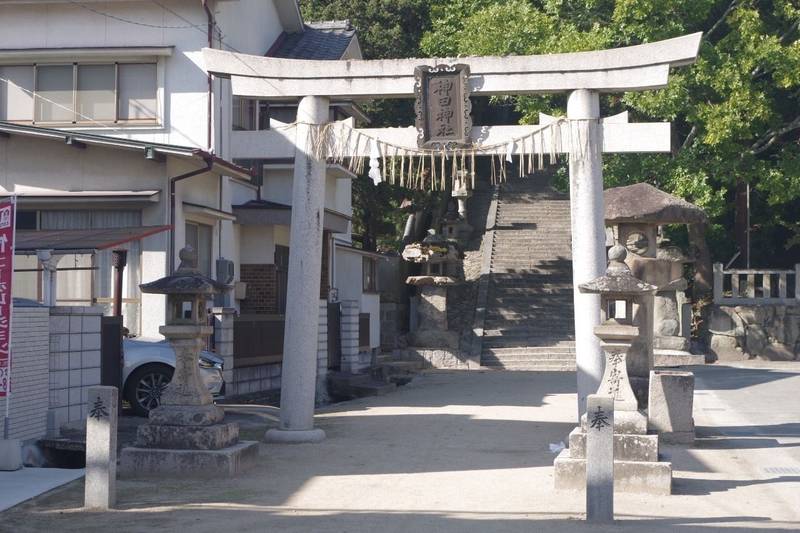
(27, 220)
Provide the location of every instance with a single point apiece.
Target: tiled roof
(319, 40)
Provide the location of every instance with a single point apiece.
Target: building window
(27, 219)
(249, 114)
(200, 237)
(80, 93)
(369, 273)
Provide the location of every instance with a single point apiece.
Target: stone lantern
(186, 434)
(623, 298)
(638, 211)
(637, 468)
(455, 225)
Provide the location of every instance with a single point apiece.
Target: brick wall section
(322, 354)
(74, 362)
(253, 379)
(30, 343)
(262, 289)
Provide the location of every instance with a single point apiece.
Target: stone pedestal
(636, 465)
(432, 313)
(671, 403)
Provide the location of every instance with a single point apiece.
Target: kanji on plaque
(6, 273)
(442, 106)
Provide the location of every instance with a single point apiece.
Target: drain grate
(783, 470)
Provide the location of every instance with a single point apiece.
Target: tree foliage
(735, 113)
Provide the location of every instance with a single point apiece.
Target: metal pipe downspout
(210, 79)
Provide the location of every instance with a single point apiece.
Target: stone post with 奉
(100, 488)
(600, 459)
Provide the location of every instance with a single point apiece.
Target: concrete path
(466, 452)
(26, 483)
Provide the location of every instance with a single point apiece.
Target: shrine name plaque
(442, 106)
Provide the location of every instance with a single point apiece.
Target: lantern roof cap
(187, 279)
(618, 279)
(643, 203)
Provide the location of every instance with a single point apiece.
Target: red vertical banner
(7, 218)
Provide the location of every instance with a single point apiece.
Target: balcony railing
(756, 287)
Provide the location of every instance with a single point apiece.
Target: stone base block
(627, 422)
(629, 476)
(10, 454)
(213, 437)
(302, 436)
(677, 437)
(159, 462)
(671, 343)
(626, 447)
(671, 404)
(445, 358)
(670, 358)
(187, 415)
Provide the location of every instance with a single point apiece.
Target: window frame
(212, 229)
(369, 275)
(259, 115)
(81, 122)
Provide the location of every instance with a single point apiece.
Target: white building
(108, 120)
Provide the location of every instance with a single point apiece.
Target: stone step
(627, 447)
(629, 476)
(524, 343)
(546, 358)
(550, 366)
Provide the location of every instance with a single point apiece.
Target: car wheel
(145, 386)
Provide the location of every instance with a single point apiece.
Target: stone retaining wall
(769, 332)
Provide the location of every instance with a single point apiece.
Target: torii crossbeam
(583, 74)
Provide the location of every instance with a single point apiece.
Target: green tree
(734, 113)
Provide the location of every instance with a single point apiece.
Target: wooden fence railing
(756, 287)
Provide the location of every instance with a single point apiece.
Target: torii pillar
(588, 238)
(299, 372)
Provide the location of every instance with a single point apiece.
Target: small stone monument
(100, 487)
(636, 465)
(187, 435)
(600, 459)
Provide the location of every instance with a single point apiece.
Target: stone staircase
(529, 311)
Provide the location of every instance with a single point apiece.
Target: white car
(148, 367)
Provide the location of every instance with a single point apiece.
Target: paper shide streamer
(435, 169)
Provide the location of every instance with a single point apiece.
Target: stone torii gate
(584, 75)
